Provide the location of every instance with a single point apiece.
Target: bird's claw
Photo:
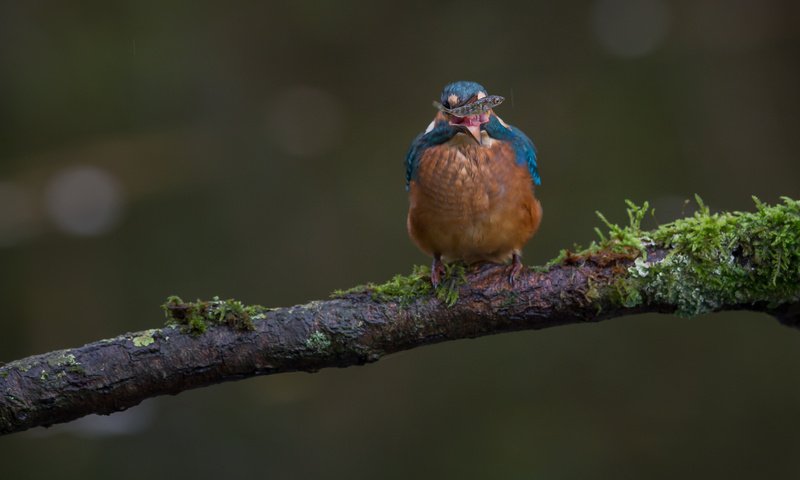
(515, 269)
(437, 271)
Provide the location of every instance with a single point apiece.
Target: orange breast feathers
(472, 202)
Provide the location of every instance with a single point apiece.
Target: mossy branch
(703, 263)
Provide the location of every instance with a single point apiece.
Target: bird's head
(467, 105)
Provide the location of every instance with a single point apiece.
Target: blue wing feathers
(441, 133)
(524, 149)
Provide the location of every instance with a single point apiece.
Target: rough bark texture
(115, 374)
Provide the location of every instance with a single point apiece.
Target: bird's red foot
(437, 270)
(515, 269)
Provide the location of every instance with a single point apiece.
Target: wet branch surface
(112, 375)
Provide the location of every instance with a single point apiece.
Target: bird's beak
(472, 124)
(475, 131)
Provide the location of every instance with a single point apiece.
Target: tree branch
(727, 261)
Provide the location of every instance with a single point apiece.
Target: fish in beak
(472, 115)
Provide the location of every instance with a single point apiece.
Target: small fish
(479, 106)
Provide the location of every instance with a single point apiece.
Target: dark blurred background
(255, 150)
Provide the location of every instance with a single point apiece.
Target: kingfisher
(470, 178)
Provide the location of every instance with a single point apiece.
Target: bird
(470, 178)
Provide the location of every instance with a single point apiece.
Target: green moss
(714, 259)
(628, 241)
(406, 289)
(232, 313)
(726, 258)
(195, 317)
(411, 286)
(628, 238)
(455, 276)
(319, 342)
(187, 315)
